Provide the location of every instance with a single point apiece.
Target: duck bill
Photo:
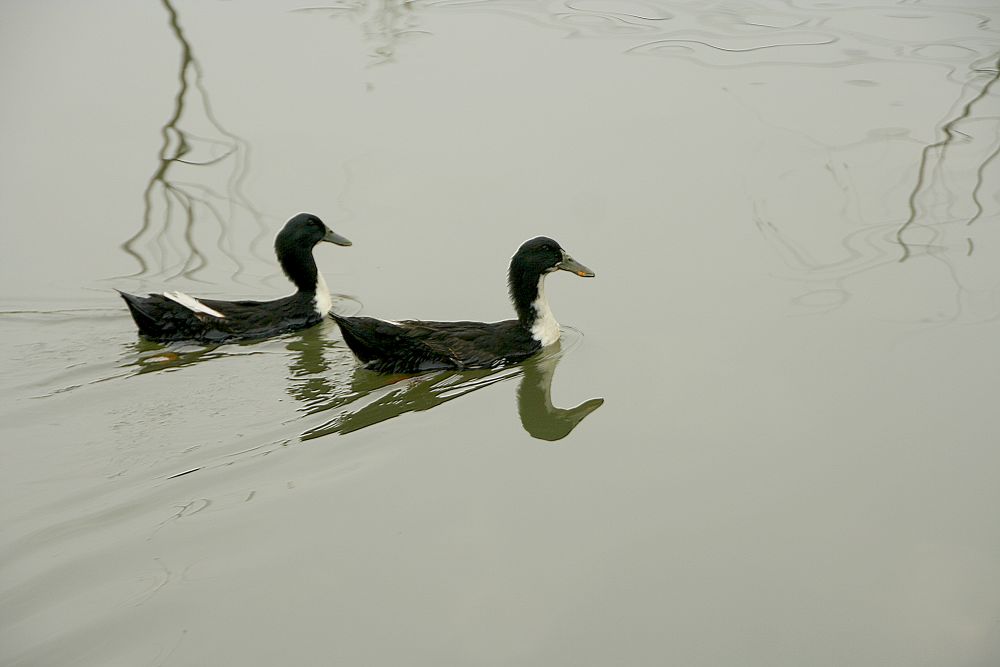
(333, 237)
(573, 266)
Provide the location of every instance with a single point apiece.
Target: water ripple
(713, 32)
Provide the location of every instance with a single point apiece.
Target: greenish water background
(792, 210)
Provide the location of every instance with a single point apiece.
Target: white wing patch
(193, 304)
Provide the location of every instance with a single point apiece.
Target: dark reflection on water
(200, 173)
(311, 366)
(402, 394)
(325, 378)
(941, 189)
(153, 357)
(935, 154)
(539, 417)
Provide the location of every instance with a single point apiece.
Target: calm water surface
(768, 437)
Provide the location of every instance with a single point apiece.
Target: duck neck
(528, 294)
(300, 267)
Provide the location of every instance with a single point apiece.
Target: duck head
(542, 255)
(535, 259)
(305, 230)
(294, 245)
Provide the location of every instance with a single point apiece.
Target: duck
(412, 346)
(174, 316)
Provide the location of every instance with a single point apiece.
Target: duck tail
(363, 336)
(143, 319)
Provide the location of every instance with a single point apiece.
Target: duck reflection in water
(147, 356)
(324, 378)
(539, 417)
(363, 398)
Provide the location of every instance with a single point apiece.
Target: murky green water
(794, 215)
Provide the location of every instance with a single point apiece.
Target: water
(768, 436)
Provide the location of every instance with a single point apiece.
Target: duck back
(415, 346)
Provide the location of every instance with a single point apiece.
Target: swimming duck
(412, 346)
(178, 316)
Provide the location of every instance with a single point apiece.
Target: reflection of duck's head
(539, 417)
(294, 245)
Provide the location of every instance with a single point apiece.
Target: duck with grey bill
(412, 345)
(173, 316)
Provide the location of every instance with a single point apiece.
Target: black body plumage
(179, 317)
(413, 345)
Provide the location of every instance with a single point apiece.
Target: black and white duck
(177, 316)
(413, 346)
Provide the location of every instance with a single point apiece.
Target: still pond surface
(770, 433)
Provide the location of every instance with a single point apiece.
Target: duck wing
(161, 318)
(411, 345)
(261, 319)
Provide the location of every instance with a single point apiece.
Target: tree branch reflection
(867, 188)
(195, 173)
(940, 148)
